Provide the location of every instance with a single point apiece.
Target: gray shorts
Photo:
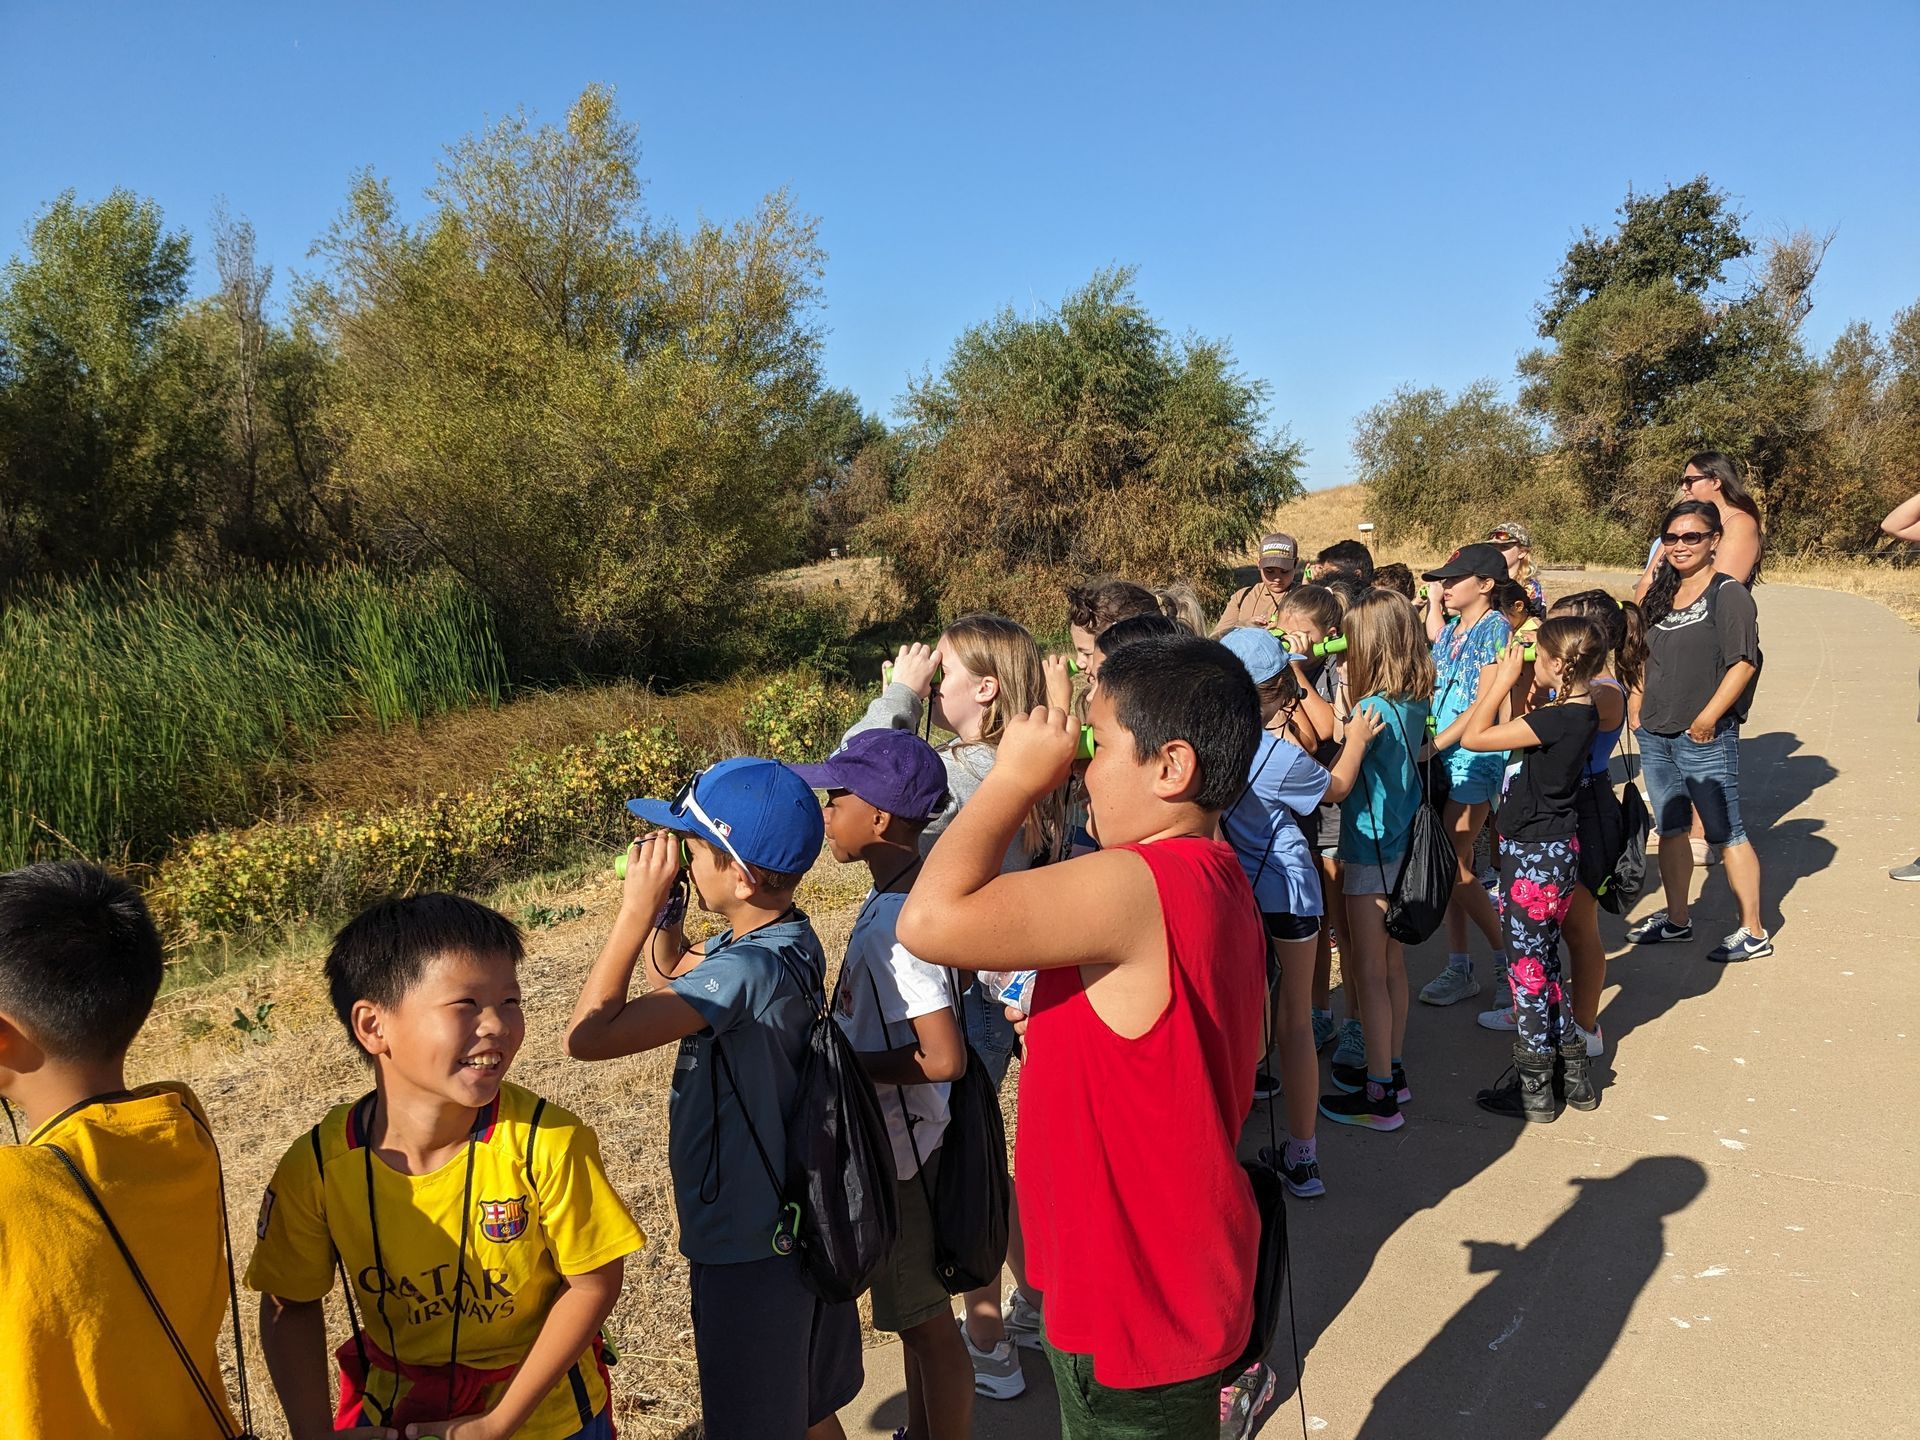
(906, 1292)
(773, 1359)
(1361, 879)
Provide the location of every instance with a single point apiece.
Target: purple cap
(892, 770)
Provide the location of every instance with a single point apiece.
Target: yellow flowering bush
(797, 718)
(532, 815)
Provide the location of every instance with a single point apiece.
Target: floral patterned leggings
(1539, 876)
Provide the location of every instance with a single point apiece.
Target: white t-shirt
(877, 966)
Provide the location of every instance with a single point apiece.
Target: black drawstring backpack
(1422, 890)
(970, 1196)
(1627, 876)
(839, 1209)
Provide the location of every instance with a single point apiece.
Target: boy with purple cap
(901, 1015)
(773, 1359)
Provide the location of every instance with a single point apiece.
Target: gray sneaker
(1450, 986)
(1324, 1031)
(996, 1372)
(1022, 1319)
(1906, 872)
(1352, 1049)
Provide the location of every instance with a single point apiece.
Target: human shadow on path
(1516, 1358)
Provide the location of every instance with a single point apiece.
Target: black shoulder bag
(1421, 891)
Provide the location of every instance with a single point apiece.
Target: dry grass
(861, 586)
(1321, 517)
(262, 1094)
(362, 768)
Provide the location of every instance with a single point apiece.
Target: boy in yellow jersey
(480, 1243)
(82, 1352)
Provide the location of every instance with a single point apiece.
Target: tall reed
(135, 709)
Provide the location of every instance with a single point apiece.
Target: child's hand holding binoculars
(915, 667)
(653, 867)
(1058, 671)
(1036, 750)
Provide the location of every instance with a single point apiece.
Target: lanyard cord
(12, 1123)
(380, 1264)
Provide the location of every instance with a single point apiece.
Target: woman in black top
(1539, 857)
(1703, 654)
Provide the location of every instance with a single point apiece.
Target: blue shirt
(1378, 812)
(1264, 828)
(1457, 662)
(756, 1012)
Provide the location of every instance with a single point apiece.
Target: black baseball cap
(1481, 559)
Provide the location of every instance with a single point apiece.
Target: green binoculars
(620, 861)
(1073, 664)
(1084, 750)
(1526, 651)
(886, 673)
(1332, 645)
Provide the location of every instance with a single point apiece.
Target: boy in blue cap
(774, 1361)
(901, 1016)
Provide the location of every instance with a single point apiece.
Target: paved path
(1727, 1246)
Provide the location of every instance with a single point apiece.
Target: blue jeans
(988, 1031)
(1680, 773)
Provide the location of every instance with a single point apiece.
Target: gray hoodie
(897, 707)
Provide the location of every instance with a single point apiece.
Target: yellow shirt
(525, 1229)
(81, 1353)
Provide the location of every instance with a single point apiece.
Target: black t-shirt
(1539, 804)
(1690, 652)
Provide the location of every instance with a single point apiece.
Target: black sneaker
(1265, 1085)
(1303, 1181)
(1364, 1108)
(1350, 1079)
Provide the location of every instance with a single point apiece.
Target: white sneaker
(1022, 1319)
(1596, 1042)
(1501, 1017)
(996, 1372)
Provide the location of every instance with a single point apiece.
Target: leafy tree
(101, 432)
(598, 420)
(1648, 363)
(1055, 446)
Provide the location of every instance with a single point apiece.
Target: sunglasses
(1691, 537)
(1687, 482)
(686, 803)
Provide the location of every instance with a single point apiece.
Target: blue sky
(1357, 197)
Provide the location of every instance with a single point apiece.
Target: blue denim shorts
(988, 1031)
(1681, 773)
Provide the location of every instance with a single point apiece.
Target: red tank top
(1140, 1225)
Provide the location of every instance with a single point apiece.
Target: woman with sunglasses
(1713, 478)
(1703, 646)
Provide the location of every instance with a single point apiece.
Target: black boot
(1526, 1091)
(1576, 1078)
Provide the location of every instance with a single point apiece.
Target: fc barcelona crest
(503, 1220)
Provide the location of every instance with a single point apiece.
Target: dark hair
(1318, 603)
(1348, 592)
(1282, 691)
(1508, 593)
(1727, 471)
(1396, 577)
(1178, 687)
(382, 952)
(1658, 603)
(1620, 625)
(1137, 627)
(1095, 606)
(80, 959)
(1351, 558)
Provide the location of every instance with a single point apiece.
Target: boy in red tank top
(1144, 1035)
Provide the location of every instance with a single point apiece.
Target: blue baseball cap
(892, 770)
(757, 811)
(1263, 655)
